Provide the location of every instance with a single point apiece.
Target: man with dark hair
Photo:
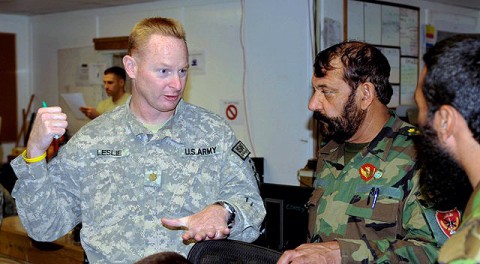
(448, 99)
(366, 204)
(114, 79)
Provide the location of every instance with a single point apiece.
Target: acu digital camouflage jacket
(119, 179)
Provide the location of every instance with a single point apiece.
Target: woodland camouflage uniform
(396, 228)
(464, 246)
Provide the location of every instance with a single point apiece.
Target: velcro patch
(241, 150)
(115, 153)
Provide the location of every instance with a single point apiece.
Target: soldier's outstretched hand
(208, 224)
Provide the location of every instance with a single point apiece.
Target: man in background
(448, 99)
(366, 203)
(155, 174)
(114, 79)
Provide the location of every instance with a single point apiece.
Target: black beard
(443, 182)
(340, 129)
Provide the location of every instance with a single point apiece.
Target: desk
(15, 243)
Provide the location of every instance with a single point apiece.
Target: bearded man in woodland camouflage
(366, 206)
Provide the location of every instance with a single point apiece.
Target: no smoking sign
(233, 112)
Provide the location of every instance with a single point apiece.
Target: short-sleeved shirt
(108, 104)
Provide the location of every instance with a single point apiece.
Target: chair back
(231, 252)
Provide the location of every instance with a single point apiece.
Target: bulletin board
(394, 29)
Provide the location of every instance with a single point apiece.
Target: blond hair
(147, 27)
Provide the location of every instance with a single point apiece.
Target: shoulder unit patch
(241, 150)
(449, 221)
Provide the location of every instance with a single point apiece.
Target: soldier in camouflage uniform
(155, 174)
(448, 100)
(366, 204)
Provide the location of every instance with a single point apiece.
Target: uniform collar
(380, 146)
(167, 131)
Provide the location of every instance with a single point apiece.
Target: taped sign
(233, 112)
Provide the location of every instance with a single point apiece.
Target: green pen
(44, 104)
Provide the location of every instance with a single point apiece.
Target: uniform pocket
(382, 208)
(313, 203)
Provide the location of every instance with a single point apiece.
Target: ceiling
(39, 7)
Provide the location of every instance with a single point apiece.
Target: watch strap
(230, 213)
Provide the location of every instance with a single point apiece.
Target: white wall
(277, 70)
(278, 80)
(277, 53)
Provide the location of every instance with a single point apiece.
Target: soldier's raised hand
(49, 122)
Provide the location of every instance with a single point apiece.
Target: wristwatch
(230, 213)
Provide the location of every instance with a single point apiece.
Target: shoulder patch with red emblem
(449, 221)
(367, 171)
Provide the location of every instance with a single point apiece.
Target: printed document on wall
(74, 102)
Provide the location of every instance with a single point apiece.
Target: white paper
(373, 23)
(95, 73)
(393, 57)
(395, 100)
(409, 32)
(390, 25)
(74, 102)
(355, 21)
(409, 80)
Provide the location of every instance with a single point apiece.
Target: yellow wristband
(33, 160)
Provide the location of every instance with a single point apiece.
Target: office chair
(231, 252)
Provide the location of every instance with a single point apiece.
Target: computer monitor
(286, 223)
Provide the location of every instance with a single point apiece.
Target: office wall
(277, 54)
(277, 65)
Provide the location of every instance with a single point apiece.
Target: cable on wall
(242, 21)
(312, 24)
(314, 30)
